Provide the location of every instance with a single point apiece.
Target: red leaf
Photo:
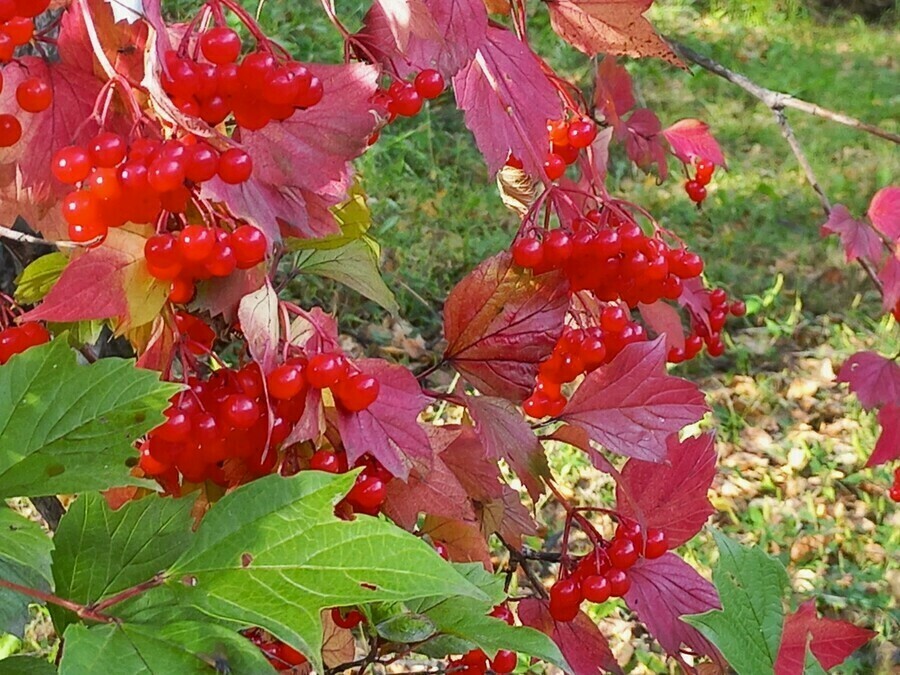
(691, 139)
(403, 19)
(505, 434)
(223, 295)
(315, 331)
(160, 348)
(460, 26)
(122, 42)
(261, 325)
(614, 95)
(631, 406)
(671, 496)
(463, 540)
(663, 319)
(507, 516)
(608, 27)
(584, 647)
(662, 591)
(831, 642)
(434, 491)
(302, 166)
(388, 429)
(890, 280)
(507, 101)
(873, 378)
(859, 240)
(479, 476)
(887, 449)
(884, 212)
(642, 141)
(695, 298)
(501, 323)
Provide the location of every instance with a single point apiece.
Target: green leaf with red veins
(830, 641)
(662, 590)
(690, 139)
(859, 240)
(460, 27)
(501, 322)
(631, 406)
(505, 434)
(582, 644)
(507, 100)
(672, 496)
(884, 212)
(66, 428)
(608, 27)
(301, 167)
(273, 554)
(388, 429)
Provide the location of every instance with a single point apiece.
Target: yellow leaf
(353, 216)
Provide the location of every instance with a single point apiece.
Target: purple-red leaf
(501, 322)
(690, 139)
(889, 276)
(887, 449)
(831, 641)
(504, 434)
(662, 591)
(874, 379)
(584, 647)
(671, 496)
(466, 458)
(435, 491)
(507, 100)
(859, 240)
(631, 406)
(405, 18)
(506, 516)
(663, 319)
(643, 144)
(224, 295)
(608, 27)
(884, 212)
(613, 95)
(388, 429)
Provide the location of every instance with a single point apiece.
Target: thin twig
(14, 235)
(516, 556)
(82, 611)
(777, 99)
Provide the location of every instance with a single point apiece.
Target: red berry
(528, 252)
(249, 244)
(738, 308)
(695, 191)
(82, 234)
(503, 613)
(71, 164)
(34, 95)
(582, 133)
(10, 130)
(558, 130)
(20, 29)
(326, 460)
(176, 429)
(596, 589)
(705, 170)
(285, 381)
(182, 291)
(281, 88)
(79, 208)
(349, 619)
(441, 549)
(557, 248)
(220, 45)
(311, 95)
(407, 102)
(504, 662)
(357, 392)
(202, 163)
(429, 83)
(326, 370)
(368, 493)
(656, 543)
(288, 655)
(240, 411)
(235, 166)
(623, 553)
(619, 582)
(166, 174)
(31, 8)
(554, 166)
(107, 149)
(161, 250)
(565, 598)
(196, 243)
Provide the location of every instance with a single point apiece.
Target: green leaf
(355, 265)
(747, 630)
(38, 278)
(24, 560)
(26, 665)
(69, 428)
(101, 552)
(273, 554)
(467, 619)
(406, 628)
(179, 647)
(354, 218)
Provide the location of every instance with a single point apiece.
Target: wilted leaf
(260, 320)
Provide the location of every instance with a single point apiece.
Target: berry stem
(143, 587)
(83, 611)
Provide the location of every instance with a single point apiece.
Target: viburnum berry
(285, 381)
(695, 191)
(367, 494)
(71, 164)
(504, 662)
(565, 599)
(326, 370)
(240, 411)
(407, 102)
(619, 582)
(554, 166)
(596, 589)
(18, 339)
(357, 392)
(656, 543)
(326, 460)
(220, 45)
(704, 171)
(623, 553)
(31, 8)
(581, 133)
(34, 95)
(528, 252)
(503, 613)
(429, 83)
(235, 166)
(10, 130)
(20, 29)
(196, 243)
(107, 149)
(249, 245)
(894, 492)
(348, 619)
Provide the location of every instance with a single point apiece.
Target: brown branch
(777, 100)
(81, 610)
(142, 587)
(519, 559)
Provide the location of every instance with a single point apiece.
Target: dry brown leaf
(517, 189)
(497, 6)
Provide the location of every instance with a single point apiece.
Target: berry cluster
(118, 182)
(405, 99)
(370, 489)
(220, 428)
(476, 662)
(579, 351)
(567, 139)
(282, 656)
(712, 335)
(17, 24)
(198, 252)
(602, 573)
(16, 339)
(612, 257)
(696, 187)
(254, 92)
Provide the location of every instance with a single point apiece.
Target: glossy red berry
(34, 95)
(220, 45)
(325, 370)
(71, 164)
(565, 599)
(705, 170)
(429, 83)
(20, 29)
(285, 381)
(619, 582)
(407, 102)
(107, 149)
(528, 252)
(235, 166)
(656, 543)
(249, 244)
(202, 163)
(368, 494)
(623, 553)
(326, 460)
(357, 392)
(596, 589)
(503, 613)
(240, 411)
(504, 662)
(166, 174)
(196, 243)
(554, 166)
(346, 618)
(581, 133)
(695, 191)
(738, 308)
(10, 130)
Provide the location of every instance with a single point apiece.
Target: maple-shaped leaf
(671, 496)
(889, 276)
(108, 282)
(501, 322)
(690, 139)
(301, 167)
(434, 490)
(504, 434)
(459, 27)
(631, 406)
(388, 429)
(261, 325)
(608, 27)
(663, 319)
(664, 589)
(584, 647)
(477, 473)
(507, 100)
(874, 379)
(884, 212)
(463, 540)
(887, 448)
(506, 516)
(831, 641)
(613, 91)
(642, 135)
(859, 240)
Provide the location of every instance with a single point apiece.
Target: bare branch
(14, 235)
